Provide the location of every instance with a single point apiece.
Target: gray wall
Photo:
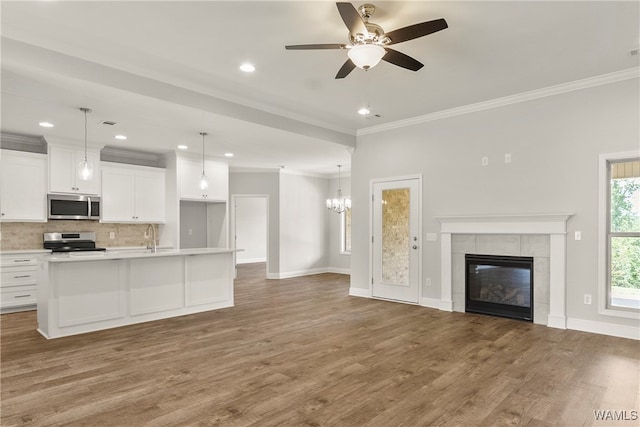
(193, 217)
(337, 261)
(554, 143)
(251, 229)
(304, 223)
(263, 183)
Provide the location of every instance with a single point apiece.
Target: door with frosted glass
(396, 240)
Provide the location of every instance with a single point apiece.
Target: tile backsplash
(28, 235)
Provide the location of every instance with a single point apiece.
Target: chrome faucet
(152, 246)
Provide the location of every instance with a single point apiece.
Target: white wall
(554, 143)
(251, 229)
(340, 263)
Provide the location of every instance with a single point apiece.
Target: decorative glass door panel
(396, 240)
(395, 236)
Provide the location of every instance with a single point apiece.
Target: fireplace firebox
(499, 285)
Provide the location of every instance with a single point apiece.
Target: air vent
(108, 123)
(373, 116)
(633, 52)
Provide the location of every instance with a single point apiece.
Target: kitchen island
(94, 291)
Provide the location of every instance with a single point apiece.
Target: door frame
(232, 228)
(371, 207)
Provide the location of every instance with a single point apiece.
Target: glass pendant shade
(204, 183)
(366, 56)
(85, 170)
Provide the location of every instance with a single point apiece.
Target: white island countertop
(129, 254)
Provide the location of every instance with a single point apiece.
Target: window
(345, 235)
(621, 235)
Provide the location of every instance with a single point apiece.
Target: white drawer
(16, 277)
(15, 297)
(18, 261)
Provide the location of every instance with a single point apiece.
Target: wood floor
(301, 352)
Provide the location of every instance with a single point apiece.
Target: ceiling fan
(368, 42)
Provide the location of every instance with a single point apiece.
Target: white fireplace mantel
(554, 225)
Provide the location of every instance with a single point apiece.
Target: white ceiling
(167, 70)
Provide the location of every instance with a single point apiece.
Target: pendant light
(85, 168)
(339, 204)
(204, 183)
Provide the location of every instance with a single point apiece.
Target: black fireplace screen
(499, 285)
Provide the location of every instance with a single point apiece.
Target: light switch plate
(485, 161)
(578, 235)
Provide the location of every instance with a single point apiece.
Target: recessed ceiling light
(120, 137)
(46, 124)
(363, 111)
(228, 154)
(248, 68)
(182, 147)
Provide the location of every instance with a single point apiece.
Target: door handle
(415, 246)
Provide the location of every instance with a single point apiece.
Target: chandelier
(339, 204)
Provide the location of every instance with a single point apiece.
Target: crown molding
(631, 73)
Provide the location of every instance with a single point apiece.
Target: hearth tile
(541, 280)
(498, 244)
(463, 243)
(534, 245)
(540, 313)
(457, 273)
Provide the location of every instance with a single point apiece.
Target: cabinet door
(189, 173)
(117, 195)
(22, 187)
(150, 205)
(63, 170)
(218, 176)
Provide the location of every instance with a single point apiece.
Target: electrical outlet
(485, 161)
(578, 235)
(587, 298)
(507, 158)
(112, 235)
(427, 281)
(146, 235)
(190, 232)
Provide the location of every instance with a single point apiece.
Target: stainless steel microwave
(73, 207)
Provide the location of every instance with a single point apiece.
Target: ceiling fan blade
(346, 68)
(351, 18)
(316, 46)
(401, 60)
(418, 30)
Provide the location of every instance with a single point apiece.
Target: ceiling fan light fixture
(366, 56)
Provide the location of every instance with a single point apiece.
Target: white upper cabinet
(189, 173)
(133, 194)
(63, 170)
(23, 178)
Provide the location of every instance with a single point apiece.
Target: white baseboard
(431, 303)
(359, 292)
(290, 274)
(603, 328)
(250, 260)
(559, 322)
(339, 270)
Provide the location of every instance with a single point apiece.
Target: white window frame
(343, 233)
(603, 231)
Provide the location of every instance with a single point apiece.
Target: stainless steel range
(71, 242)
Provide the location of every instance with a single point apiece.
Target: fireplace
(499, 285)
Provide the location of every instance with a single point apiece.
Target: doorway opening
(250, 229)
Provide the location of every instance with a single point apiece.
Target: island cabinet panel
(89, 292)
(85, 293)
(203, 287)
(157, 284)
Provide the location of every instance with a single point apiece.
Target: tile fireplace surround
(516, 229)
